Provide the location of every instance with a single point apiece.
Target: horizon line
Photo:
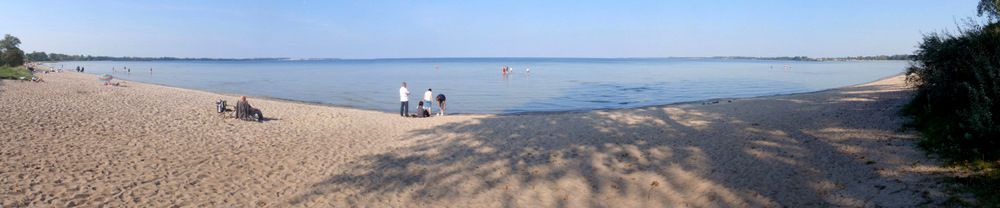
(471, 57)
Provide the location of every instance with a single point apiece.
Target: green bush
(14, 72)
(958, 89)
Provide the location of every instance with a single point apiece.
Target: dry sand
(73, 142)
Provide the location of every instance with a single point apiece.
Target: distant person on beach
(245, 112)
(440, 99)
(527, 70)
(82, 69)
(36, 80)
(427, 99)
(404, 101)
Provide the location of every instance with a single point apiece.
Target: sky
(430, 29)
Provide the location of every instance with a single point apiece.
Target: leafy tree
(13, 57)
(9, 42)
(989, 7)
(9, 53)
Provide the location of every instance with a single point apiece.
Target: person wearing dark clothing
(422, 112)
(441, 103)
(245, 112)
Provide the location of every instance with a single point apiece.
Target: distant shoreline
(864, 58)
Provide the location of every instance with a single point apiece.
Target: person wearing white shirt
(404, 107)
(427, 100)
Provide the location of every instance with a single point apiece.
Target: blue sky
(414, 29)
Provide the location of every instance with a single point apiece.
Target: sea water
(477, 85)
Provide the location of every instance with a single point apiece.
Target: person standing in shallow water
(404, 105)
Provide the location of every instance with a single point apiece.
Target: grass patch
(981, 178)
(14, 72)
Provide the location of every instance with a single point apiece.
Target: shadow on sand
(833, 148)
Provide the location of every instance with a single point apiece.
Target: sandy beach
(71, 141)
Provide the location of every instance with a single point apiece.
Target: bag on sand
(220, 106)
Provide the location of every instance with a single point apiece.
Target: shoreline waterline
(473, 87)
(703, 102)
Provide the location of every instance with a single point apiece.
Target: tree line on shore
(898, 57)
(42, 56)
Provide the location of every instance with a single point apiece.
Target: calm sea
(476, 85)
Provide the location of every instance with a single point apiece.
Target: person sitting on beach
(245, 112)
(441, 104)
(422, 112)
(36, 80)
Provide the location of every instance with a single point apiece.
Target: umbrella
(105, 77)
